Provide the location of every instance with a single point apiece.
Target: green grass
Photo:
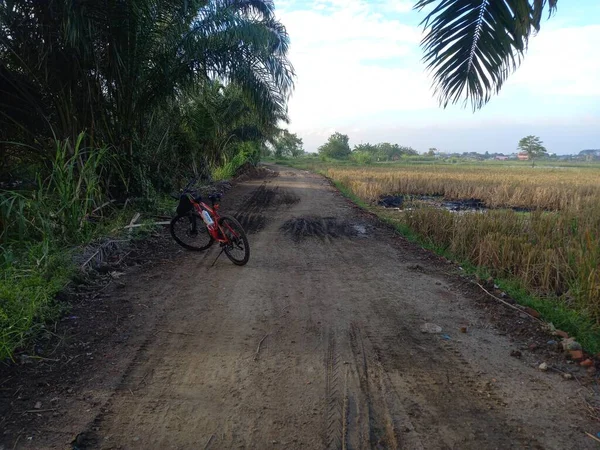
(41, 230)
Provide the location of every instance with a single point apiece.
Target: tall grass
(553, 251)
(38, 226)
(545, 188)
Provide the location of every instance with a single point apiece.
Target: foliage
(134, 69)
(361, 157)
(102, 103)
(385, 151)
(336, 147)
(533, 146)
(471, 46)
(287, 144)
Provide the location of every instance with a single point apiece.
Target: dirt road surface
(315, 344)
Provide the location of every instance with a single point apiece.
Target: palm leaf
(471, 46)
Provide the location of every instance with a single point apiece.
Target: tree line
(166, 86)
(338, 147)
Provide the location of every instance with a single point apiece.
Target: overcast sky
(359, 72)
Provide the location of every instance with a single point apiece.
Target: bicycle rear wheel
(190, 232)
(237, 248)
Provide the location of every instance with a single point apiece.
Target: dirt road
(316, 344)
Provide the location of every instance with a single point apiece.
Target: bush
(362, 158)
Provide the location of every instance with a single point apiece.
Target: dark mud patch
(285, 197)
(408, 202)
(250, 215)
(251, 222)
(321, 227)
(261, 198)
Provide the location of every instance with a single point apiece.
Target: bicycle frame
(216, 231)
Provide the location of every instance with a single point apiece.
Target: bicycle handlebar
(215, 196)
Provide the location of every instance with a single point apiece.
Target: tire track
(334, 425)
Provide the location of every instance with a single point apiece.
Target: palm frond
(472, 46)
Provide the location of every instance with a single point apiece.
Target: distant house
(501, 158)
(523, 156)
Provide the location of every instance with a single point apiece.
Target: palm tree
(110, 67)
(471, 46)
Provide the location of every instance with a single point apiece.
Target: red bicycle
(197, 226)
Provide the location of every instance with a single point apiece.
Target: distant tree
(287, 144)
(362, 157)
(336, 147)
(533, 146)
(369, 148)
(432, 151)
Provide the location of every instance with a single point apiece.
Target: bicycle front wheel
(190, 232)
(236, 248)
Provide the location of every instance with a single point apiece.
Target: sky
(360, 72)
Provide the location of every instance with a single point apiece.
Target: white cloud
(351, 61)
(360, 72)
(563, 61)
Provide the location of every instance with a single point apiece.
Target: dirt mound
(249, 171)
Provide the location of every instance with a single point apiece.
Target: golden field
(498, 186)
(554, 251)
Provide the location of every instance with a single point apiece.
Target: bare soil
(315, 344)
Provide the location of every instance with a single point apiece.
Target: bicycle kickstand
(220, 253)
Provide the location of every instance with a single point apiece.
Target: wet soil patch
(460, 205)
(250, 215)
(251, 222)
(285, 197)
(261, 198)
(321, 227)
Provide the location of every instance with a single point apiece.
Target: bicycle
(197, 226)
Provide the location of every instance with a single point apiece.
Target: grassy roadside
(552, 310)
(47, 226)
(34, 273)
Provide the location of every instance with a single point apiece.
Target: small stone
(464, 329)
(587, 363)
(576, 355)
(567, 376)
(571, 344)
(543, 367)
(532, 347)
(591, 370)
(515, 353)
(38, 405)
(551, 342)
(431, 328)
(562, 334)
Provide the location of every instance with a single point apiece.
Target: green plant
(336, 147)
(362, 158)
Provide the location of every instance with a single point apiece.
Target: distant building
(523, 156)
(501, 158)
